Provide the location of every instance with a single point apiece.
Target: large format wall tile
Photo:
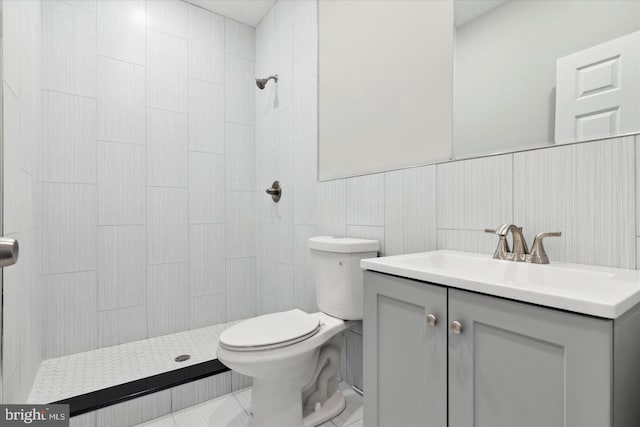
(168, 16)
(206, 259)
(240, 90)
(69, 49)
(305, 26)
(167, 299)
(305, 290)
(239, 39)
(305, 177)
(122, 325)
(69, 229)
(410, 210)
(365, 200)
(240, 224)
(122, 260)
(121, 30)
(241, 288)
(121, 184)
(167, 226)
(121, 101)
(475, 194)
(638, 186)
(206, 188)
(207, 310)
(72, 315)
(240, 151)
(206, 45)
(306, 99)
(167, 85)
(587, 192)
(467, 241)
(167, 148)
(69, 138)
(332, 207)
(206, 116)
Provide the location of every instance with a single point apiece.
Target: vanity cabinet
(512, 364)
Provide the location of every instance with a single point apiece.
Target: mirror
(511, 91)
(404, 83)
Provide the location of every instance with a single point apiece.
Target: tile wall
(147, 189)
(23, 296)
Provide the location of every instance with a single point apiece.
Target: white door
(598, 91)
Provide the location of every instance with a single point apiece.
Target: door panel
(405, 379)
(598, 91)
(516, 364)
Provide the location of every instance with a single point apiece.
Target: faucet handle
(538, 254)
(502, 251)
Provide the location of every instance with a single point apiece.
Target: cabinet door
(521, 365)
(405, 359)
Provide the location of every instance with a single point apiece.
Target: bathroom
(139, 137)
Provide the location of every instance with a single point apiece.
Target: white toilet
(293, 356)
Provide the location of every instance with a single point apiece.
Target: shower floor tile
(82, 373)
(232, 410)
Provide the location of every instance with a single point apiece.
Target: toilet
(293, 356)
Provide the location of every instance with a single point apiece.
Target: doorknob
(9, 251)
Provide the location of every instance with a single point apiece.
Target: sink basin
(597, 291)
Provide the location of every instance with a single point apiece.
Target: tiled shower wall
(588, 191)
(148, 195)
(22, 293)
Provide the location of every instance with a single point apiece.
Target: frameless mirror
(535, 73)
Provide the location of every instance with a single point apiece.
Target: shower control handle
(275, 191)
(9, 251)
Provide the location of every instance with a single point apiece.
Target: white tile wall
(240, 165)
(122, 260)
(69, 138)
(365, 200)
(69, 228)
(121, 30)
(167, 148)
(167, 302)
(206, 188)
(410, 217)
(121, 100)
(121, 184)
(206, 259)
(167, 225)
(240, 224)
(206, 45)
(239, 90)
(167, 85)
(71, 313)
(207, 310)
(206, 116)
(68, 49)
(168, 16)
(241, 288)
(122, 325)
(587, 192)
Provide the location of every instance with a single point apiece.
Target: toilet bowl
(281, 350)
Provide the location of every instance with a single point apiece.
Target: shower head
(261, 83)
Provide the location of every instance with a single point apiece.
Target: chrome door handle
(9, 251)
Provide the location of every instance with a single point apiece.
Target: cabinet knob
(432, 320)
(456, 327)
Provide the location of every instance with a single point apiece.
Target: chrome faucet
(520, 252)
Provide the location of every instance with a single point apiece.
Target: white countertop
(592, 290)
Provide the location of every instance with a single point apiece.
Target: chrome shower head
(261, 83)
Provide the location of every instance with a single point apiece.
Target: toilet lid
(270, 331)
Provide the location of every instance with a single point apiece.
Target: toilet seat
(270, 331)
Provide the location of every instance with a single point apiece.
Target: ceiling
(468, 10)
(248, 12)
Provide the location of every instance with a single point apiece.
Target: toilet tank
(337, 274)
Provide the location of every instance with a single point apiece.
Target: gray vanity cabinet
(405, 367)
(516, 364)
(509, 364)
